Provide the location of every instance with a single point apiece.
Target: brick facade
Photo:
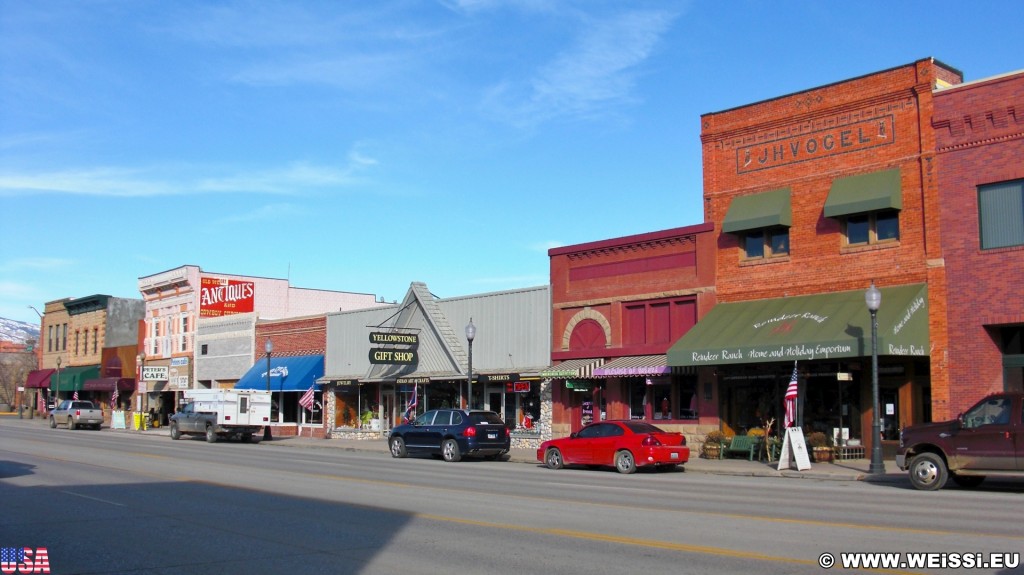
(622, 297)
(805, 142)
(979, 130)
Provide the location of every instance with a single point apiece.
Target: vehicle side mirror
(960, 421)
(572, 435)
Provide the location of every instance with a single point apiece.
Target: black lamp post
(266, 428)
(470, 335)
(873, 298)
(56, 390)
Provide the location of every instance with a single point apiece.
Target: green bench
(748, 445)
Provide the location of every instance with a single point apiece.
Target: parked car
(76, 413)
(625, 444)
(988, 439)
(452, 434)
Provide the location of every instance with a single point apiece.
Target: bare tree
(14, 369)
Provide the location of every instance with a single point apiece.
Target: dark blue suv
(452, 434)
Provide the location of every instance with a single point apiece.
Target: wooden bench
(748, 445)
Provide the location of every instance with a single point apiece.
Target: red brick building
(617, 306)
(979, 132)
(813, 197)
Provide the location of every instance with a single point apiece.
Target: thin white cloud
(597, 73)
(545, 246)
(35, 264)
(295, 178)
(270, 212)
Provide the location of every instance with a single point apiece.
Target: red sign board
(219, 296)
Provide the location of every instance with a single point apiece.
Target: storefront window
(670, 398)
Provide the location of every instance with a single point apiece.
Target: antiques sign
(220, 296)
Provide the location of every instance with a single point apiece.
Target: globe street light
(470, 335)
(269, 347)
(873, 298)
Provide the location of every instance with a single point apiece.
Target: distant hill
(17, 331)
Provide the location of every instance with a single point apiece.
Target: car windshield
(642, 427)
(489, 417)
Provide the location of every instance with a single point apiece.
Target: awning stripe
(573, 368)
(109, 383)
(635, 365)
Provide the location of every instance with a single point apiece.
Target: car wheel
(450, 450)
(553, 459)
(175, 432)
(211, 435)
(71, 423)
(624, 462)
(397, 446)
(53, 423)
(967, 481)
(928, 472)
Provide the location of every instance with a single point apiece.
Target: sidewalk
(850, 470)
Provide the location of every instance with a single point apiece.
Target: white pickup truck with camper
(229, 413)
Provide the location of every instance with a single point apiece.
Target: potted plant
(712, 448)
(818, 442)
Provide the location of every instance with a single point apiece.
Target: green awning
(822, 326)
(865, 193)
(764, 210)
(73, 378)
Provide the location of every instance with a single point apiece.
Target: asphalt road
(104, 502)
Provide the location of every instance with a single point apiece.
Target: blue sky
(360, 146)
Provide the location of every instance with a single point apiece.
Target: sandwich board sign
(794, 448)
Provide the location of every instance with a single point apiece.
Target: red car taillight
(651, 441)
(470, 431)
(508, 432)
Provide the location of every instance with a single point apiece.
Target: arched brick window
(588, 334)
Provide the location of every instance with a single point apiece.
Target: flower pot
(711, 451)
(822, 454)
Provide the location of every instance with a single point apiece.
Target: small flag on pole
(410, 411)
(791, 395)
(113, 398)
(307, 399)
(75, 396)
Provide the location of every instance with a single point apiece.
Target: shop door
(890, 408)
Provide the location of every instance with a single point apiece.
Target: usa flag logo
(24, 560)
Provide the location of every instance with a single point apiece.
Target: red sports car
(626, 444)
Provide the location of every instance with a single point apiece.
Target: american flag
(307, 399)
(410, 411)
(75, 396)
(113, 398)
(791, 394)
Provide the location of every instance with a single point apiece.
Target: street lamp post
(140, 385)
(873, 298)
(35, 394)
(56, 389)
(470, 335)
(269, 347)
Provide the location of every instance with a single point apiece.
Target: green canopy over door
(821, 326)
(73, 378)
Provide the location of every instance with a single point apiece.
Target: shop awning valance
(74, 378)
(635, 365)
(39, 378)
(573, 368)
(109, 384)
(821, 326)
(295, 373)
(757, 211)
(865, 193)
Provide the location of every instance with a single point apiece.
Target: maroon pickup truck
(986, 440)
